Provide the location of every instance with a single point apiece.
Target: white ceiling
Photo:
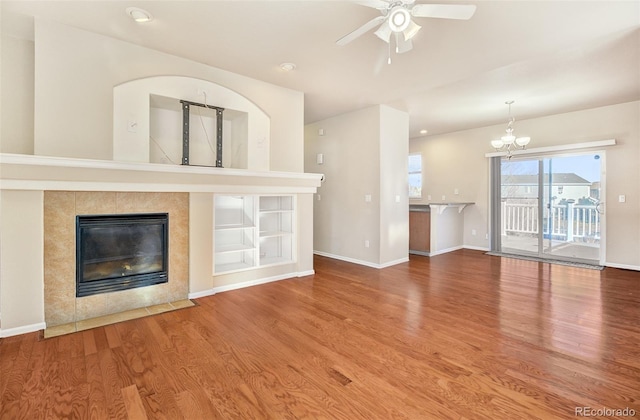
(549, 56)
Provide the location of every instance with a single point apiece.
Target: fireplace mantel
(27, 181)
(30, 172)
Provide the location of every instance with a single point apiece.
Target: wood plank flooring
(459, 335)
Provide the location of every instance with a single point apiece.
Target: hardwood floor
(460, 335)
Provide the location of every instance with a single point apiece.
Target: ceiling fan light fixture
(384, 32)
(411, 30)
(399, 19)
(139, 15)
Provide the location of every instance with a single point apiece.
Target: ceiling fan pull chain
(389, 53)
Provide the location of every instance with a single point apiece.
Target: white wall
(76, 71)
(457, 160)
(365, 154)
(16, 90)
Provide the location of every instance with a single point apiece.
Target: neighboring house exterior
(564, 186)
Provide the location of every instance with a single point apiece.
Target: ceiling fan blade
(375, 4)
(360, 31)
(444, 11)
(402, 45)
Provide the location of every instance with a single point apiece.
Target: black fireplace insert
(121, 251)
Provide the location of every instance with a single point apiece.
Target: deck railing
(568, 222)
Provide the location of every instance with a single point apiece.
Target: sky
(587, 166)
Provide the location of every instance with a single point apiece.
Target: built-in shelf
(252, 231)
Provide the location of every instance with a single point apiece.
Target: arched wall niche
(147, 125)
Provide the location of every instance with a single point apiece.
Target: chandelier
(509, 143)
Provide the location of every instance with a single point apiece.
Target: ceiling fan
(396, 19)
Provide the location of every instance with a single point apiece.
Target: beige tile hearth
(115, 318)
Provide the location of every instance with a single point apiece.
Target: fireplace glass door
(119, 252)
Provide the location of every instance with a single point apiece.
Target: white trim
(9, 332)
(623, 266)
(395, 262)
(444, 251)
(306, 273)
(558, 148)
(235, 286)
(361, 262)
(45, 185)
(36, 160)
(347, 259)
(476, 248)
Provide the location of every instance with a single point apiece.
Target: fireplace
(120, 252)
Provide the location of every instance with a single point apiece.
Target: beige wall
(394, 193)
(457, 160)
(365, 153)
(76, 71)
(16, 90)
(21, 267)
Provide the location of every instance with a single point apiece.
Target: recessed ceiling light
(288, 66)
(423, 131)
(139, 15)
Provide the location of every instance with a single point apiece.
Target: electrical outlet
(456, 192)
(366, 243)
(429, 197)
(319, 197)
(444, 198)
(473, 232)
(622, 198)
(397, 198)
(367, 198)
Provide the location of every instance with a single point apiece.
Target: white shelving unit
(252, 231)
(234, 237)
(276, 229)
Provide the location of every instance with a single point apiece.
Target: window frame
(413, 196)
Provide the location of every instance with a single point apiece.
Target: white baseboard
(306, 273)
(9, 332)
(220, 289)
(476, 248)
(623, 266)
(395, 262)
(444, 251)
(361, 262)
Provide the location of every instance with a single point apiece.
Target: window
(415, 176)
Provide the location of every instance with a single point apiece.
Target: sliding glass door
(520, 206)
(550, 207)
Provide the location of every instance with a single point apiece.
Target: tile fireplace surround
(60, 209)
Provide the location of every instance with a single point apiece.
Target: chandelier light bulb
(497, 144)
(508, 139)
